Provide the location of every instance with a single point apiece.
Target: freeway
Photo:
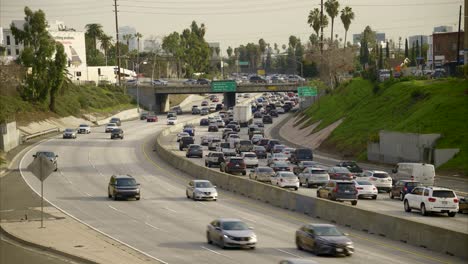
(166, 225)
(383, 204)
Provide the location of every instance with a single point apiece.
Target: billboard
(74, 46)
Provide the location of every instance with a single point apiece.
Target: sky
(236, 22)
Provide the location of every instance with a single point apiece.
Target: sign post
(42, 167)
(223, 86)
(306, 91)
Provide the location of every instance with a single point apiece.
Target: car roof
(377, 171)
(320, 225)
(229, 220)
(201, 181)
(122, 176)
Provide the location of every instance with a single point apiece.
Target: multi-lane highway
(165, 224)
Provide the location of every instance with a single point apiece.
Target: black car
(196, 111)
(213, 128)
(123, 186)
(117, 133)
(257, 79)
(351, 166)
(202, 81)
(258, 114)
(273, 113)
(50, 155)
(267, 119)
(403, 187)
(194, 150)
(178, 110)
(260, 151)
(184, 142)
(323, 239)
(204, 122)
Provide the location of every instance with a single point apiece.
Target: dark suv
(301, 154)
(401, 188)
(115, 120)
(194, 151)
(184, 142)
(123, 186)
(233, 165)
(339, 191)
(267, 119)
(117, 133)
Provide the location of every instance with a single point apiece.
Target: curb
(5, 233)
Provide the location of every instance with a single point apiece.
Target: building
(443, 29)
(126, 30)
(74, 45)
(412, 40)
(150, 45)
(13, 48)
(443, 49)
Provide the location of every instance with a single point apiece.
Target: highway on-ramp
(166, 225)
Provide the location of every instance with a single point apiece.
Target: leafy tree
(94, 31)
(46, 74)
(57, 74)
(347, 15)
(332, 9)
(262, 45)
(380, 58)
(229, 51)
(387, 50)
(106, 43)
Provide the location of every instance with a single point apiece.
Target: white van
(421, 172)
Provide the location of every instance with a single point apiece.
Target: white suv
(432, 199)
(250, 159)
(379, 179)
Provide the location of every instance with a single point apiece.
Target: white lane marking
(198, 202)
(216, 252)
(155, 227)
(289, 253)
(66, 178)
(169, 209)
(87, 194)
(248, 219)
(113, 208)
(5, 211)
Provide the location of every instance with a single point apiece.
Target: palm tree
(314, 20)
(332, 9)
(106, 43)
(347, 15)
(138, 35)
(94, 31)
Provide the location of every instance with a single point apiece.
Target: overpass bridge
(157, 97)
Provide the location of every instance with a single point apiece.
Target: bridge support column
(229, 100)
(162, 103)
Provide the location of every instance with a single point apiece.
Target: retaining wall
(414, 233)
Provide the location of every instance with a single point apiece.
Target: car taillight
(431, 200)
(360, 188)
(372, 179)
(335, 189)
(455, 200)
(405, 189)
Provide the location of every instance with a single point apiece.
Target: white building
(74, 45)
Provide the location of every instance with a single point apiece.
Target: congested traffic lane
(164, 223)
(383, 204)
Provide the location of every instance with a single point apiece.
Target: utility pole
(458, 40)
(117, 42)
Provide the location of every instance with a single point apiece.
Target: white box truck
(243, 114)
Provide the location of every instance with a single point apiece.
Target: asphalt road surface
(170, 227)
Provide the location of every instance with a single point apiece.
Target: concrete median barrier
(407, 231)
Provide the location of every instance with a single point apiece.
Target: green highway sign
(223, 86)
(306, 91)
(243, 63)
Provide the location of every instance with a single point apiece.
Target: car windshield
(281, 164)
(111, 124)
(341, 170)
(203, 185)
(236, 161)
(381, 175)
(234, 225)
(250, 155)
(68, 130)
(279, 155)
(315, 171)
(287, 175)
(117, 130)
(308, 163)
(245, 142)
(364, 183)
(413, 184)
(443, 193)
(327, 231)
(346, 186)
(46, 153)
(84, 126)
(265, 169)
(126, 182)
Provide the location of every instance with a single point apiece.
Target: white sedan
(366, 189)
(110, 127)
(172, 120)
(285, 179)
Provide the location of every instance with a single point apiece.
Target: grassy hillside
(75, 100)
(429, 106)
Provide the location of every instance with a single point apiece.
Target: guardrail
(40, 133)
(422, 235)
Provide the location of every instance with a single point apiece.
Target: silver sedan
(229, 232)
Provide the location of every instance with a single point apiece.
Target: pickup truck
(213, 158)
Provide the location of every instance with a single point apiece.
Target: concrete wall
(443, 155)
(396, 147)
(411, 232)
(9, 136)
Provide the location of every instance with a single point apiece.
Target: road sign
(306, 91)
(223, 86)
(272, 88)
(260, 72)
(41, 167)
(243, 63)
